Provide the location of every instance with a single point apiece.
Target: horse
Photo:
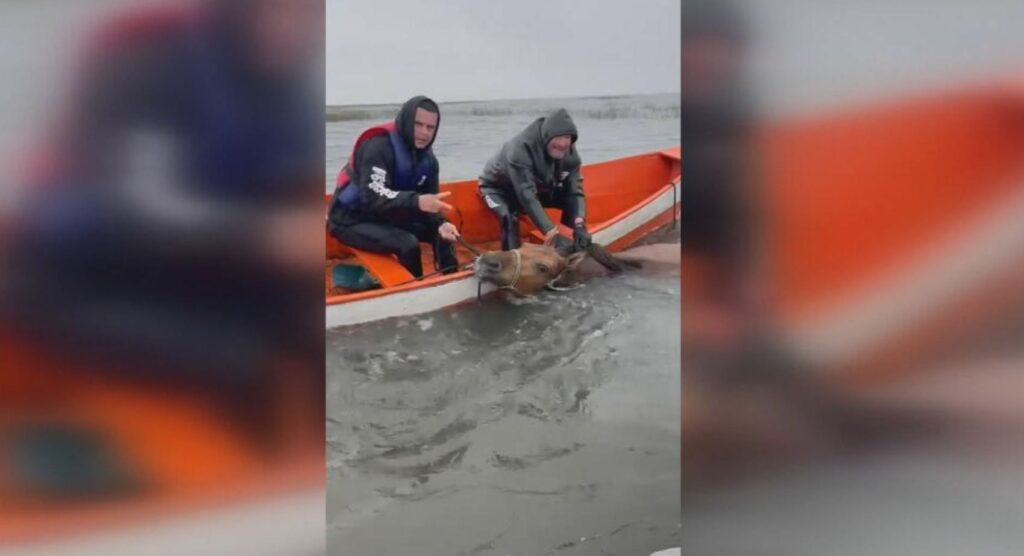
(535, 267)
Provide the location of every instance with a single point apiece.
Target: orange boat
(627, 198)
(199, 483)
(894, 227)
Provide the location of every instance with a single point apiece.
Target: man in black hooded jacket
(387, 198)
(538, 168)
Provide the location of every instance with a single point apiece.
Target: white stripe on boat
(427, 299)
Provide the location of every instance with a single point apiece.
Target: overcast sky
(389, 50)
(818, 56)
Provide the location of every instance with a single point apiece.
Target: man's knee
(335, 230)
(495, 202)
(506, 217)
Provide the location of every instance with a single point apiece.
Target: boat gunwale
(465, 274)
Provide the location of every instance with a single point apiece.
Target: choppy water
(470, 132)
(549, 427)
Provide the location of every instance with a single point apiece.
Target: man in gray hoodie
(538, 168)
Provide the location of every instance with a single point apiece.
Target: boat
(197, 482)
(627, 198)
(895, 227)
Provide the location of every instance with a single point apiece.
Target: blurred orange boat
(892, 227)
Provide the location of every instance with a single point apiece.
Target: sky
(810, 57)
(386, 51)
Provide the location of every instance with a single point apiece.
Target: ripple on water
(485, 397)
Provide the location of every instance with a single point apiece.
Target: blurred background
(852, 294)
(161, 338)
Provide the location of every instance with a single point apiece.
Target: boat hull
(622, 223)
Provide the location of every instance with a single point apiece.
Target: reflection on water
(533, 428)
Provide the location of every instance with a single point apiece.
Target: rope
(476, 252)
(466, 266)
(551, 286)
(471, 248)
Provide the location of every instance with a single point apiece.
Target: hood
(230, 26)
(405, 121)
(557, 123)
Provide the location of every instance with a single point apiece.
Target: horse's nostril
(492, 265)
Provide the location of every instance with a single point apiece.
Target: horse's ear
(549, 241)
(572, 261)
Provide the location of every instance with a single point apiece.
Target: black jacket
(522, 166)
(374, 159)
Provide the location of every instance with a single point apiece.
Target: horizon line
(467, 101)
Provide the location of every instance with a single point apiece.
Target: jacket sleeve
(576, 202)
(375, 168)
(433, 186)
(520, 174)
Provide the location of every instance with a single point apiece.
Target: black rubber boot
(509, 231)
(444, 257)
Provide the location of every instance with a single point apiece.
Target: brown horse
(532, 267)
(526, 270)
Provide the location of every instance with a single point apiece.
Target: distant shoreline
(340, 107)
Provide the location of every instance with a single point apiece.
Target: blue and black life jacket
(405, 177)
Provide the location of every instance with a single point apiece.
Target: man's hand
(448, 231)
(550, 236)
(580, 236)
(562, 244)
(433, 203)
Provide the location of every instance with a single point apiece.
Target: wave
(357, 114)
(591, 108)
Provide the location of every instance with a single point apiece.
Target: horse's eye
(541, 267)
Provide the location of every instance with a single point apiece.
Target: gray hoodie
(522, 166)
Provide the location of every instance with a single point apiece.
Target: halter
(517, 272)
(552, 287)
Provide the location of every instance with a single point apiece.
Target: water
(470, 132)
(547, 427)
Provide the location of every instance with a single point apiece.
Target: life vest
(133, 29)
(232, 150)
(239, 150)
(405, 176)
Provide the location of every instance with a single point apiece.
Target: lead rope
(476, 252)
(467, 245)
(552, 287)
(435, 273)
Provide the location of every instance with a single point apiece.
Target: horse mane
(615, 264)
